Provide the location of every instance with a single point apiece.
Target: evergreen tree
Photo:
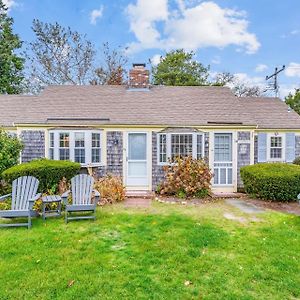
(179, 68)
(11, 64)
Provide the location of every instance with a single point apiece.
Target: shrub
(48, 172)
(297, 161)
(272, 181)
(10, 148)
(111, 189)
(187, 177)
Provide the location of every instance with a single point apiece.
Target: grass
(151, 254)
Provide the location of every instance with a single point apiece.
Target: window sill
(94, 165)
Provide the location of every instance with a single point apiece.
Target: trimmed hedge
(48, 172)
(272, 181)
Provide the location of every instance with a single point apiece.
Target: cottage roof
(160, 105)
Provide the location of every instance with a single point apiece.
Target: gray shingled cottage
(132, 131)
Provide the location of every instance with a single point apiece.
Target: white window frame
(87, 144)
(51, 146)
(228, 166)
(169, 146)
(99, 148)
(269, 136)
(80, 147)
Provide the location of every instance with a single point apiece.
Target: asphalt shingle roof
(170, 106)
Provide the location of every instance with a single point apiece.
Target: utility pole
(274, 85)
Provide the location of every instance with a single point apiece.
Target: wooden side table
(46, 200)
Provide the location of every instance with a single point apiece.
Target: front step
(140, 194)
(227, 195)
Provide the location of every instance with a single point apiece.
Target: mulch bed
(287, 207)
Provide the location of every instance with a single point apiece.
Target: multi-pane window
(223, 147)
(199, 146)
(79, 152)
(82, 146)
(96, 147)
(172, 145)
(181, 145)
(64, 146)
(223, 159)
(163, 148)
(51, 145)
(276, 147)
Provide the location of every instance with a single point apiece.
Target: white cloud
(260, 68)
(293, 70)
(155, 60)
(251, 80)
(193, 27)
(96, 14)
(295, 32)
(216, 60)
(9, 3)
(286, 89)
(142, 16)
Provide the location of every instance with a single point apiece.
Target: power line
(273, 86)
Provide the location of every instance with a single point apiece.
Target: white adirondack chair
(23, 196)
(82, 187)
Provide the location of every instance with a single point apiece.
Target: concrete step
(228, 195)
(140, 194)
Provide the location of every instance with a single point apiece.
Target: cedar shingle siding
(34, 145)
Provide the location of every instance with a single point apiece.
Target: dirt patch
(137, 202)
(287, 207)
(233, 217)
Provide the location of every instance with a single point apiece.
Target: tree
(10, 148)
(222, 79)
(242, 90)
(179, 68)
(294, 101)
(60, 55)
(112, 72)
(11, 64)
(239, 88)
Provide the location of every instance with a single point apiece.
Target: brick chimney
(139, 76)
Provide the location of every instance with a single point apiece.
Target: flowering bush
(187, 177)
(111, 189)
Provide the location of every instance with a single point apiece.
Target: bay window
(172, 145)
(64, 146)
(82, 146)
(96, 148)
(51, 145)
(79, 152)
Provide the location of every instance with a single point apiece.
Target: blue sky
(248, 38)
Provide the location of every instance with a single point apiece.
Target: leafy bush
(297, 161)
(111, 189)
(187, 177)
(10, 148)
(48, 172)
(272, 181)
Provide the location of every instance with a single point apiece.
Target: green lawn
(151, 253)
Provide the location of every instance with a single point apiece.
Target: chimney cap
(139, 65)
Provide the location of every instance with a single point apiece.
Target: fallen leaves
(187, 283)
(70, 283)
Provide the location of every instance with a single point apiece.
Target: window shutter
(262, 147)
(289, 147)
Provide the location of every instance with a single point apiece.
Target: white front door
(137, 166)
